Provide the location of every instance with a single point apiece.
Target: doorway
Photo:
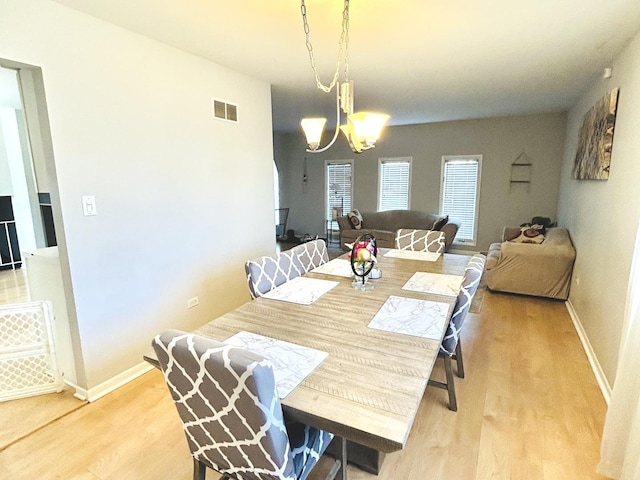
(29, 193)
(25, 198)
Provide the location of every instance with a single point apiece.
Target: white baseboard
(591, 355)
(113, 383)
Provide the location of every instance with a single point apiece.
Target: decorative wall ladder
(521, 171)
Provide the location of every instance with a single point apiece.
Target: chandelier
(362, 129)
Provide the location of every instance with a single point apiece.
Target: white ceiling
(418, 60)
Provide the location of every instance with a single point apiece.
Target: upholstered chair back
(472, 275)
(232, 417)
(311, 254)
(420, 240)
(268, 272)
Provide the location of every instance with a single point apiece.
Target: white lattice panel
(27, 353)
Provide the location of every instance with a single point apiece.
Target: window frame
(451, 158)
(388, 160)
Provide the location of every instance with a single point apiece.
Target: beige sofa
(384, 225)
(542, 270)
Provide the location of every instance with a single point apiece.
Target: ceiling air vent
(225, 111)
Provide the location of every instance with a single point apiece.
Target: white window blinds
(460, 191)
(338, 188)
(394, 180)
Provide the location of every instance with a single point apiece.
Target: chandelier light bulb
(367, 126)
(361, 129)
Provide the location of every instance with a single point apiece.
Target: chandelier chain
(343, 48)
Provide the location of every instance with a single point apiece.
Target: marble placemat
(302, 290)
(338, 267)
(292, 363)
(436, 283)
(412, 255)
(411, 316)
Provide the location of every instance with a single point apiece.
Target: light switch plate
(89, 205)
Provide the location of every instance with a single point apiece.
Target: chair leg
(458, 357)
(338, 470)
(451, 387)
(199, 470)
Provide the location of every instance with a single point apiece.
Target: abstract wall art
(595, 141)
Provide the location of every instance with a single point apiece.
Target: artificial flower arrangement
(363, 257)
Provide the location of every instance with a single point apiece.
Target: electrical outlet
(577, 280)
(193, 302)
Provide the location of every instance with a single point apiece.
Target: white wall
(602, 216)
(498, 140)
(182, 199)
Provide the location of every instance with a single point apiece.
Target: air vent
(225, 111)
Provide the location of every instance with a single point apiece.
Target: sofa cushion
(355, 217)
(384, 238)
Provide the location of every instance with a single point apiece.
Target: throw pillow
(528, 235)
(355, 217)
(439, 223)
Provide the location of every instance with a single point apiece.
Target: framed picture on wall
(595, 141)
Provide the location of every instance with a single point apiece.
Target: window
(460, 192)
(338, 188)
(394, 179)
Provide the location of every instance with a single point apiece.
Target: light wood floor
(529, 408)
(13, 286)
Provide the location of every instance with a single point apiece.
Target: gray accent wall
(498, 140)
(603, 216)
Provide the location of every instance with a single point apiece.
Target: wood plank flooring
(529, 408)
(13, 286)
(21, 417)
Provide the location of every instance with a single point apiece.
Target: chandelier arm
(335, 135)
(361, 129)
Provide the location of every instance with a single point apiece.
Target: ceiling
(418, 60)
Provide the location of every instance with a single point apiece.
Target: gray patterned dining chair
(311, 254)
(451, 346)
(227, 400)
(420, 240)
(270, 271)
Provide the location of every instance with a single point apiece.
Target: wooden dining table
(369, 387)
